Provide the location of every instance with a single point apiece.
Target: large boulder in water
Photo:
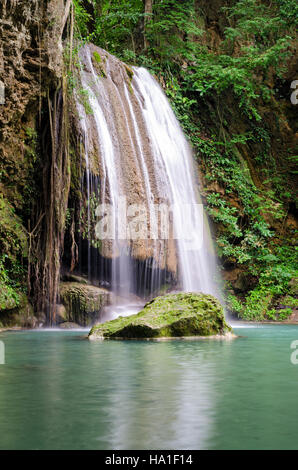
(172, 315)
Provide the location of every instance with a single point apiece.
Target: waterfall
(171, 154)
(135, 143)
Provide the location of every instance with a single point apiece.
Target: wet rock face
(82, 303)
(121, 105)
(172, 315)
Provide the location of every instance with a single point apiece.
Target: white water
(85, 143)
(166, 172)
(172, 155)
(109, 149)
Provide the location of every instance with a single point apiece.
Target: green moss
(9, 297)
(98, 65)
(130, 74)
(129, 71)
(17, 312)
(83, 96)
(172, 315)
(12, 234)
(97, 57)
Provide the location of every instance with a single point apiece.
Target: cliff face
(31, 68)
(31, 56)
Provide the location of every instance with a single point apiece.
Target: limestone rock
(172, 315)
(61, 313)
(69, 325)
(83, 302)
(19, 314)
(69, 277)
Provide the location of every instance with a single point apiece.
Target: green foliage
(83, 97)
(13, 248)
(9, 297)
(274, 277)
(32, 135)
(213, 74)
(73, 81)
(284, 313)
(82, 17)
(257, 41)
(173, 32)
(221, 212)
(290, 301)
(244, 237)
(117, 26)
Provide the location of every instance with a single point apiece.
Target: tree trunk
(148, 7)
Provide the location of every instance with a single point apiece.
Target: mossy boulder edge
(172, 315)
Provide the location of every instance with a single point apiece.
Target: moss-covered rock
(98, 64)
(9, 298)
(172, 315)
(18, 313)
(82, 302)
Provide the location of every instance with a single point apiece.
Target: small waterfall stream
(144, 159)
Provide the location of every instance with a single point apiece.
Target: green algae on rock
(17, 313)
(171, 315)
(82, 302)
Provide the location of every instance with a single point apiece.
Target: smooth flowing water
(60, 391)
(144, 157)
(172, 156)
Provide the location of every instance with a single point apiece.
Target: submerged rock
(172, 315)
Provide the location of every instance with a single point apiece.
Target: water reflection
(60, 391)
(168, 404)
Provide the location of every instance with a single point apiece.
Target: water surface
(60, 391)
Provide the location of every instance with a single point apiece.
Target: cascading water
(172, 155)
(135, 140)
